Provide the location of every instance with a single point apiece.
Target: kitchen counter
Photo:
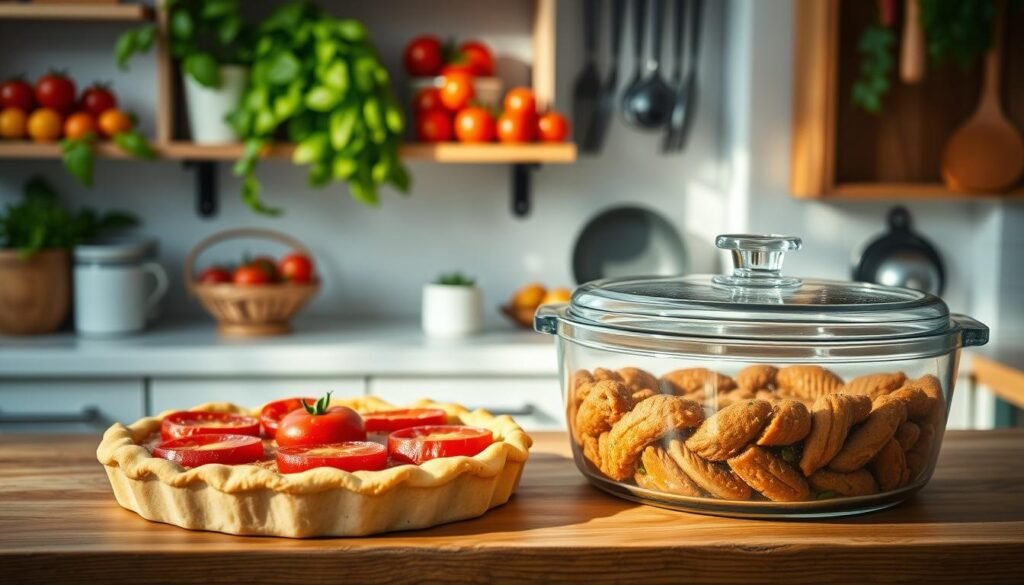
(59, 522)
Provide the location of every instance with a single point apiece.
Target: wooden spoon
(912, 51)
(986, 154)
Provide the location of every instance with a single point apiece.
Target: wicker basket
(250, 311)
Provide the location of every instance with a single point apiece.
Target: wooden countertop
(59, 522)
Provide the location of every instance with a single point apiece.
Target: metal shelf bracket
(522, 187)
(206, 186)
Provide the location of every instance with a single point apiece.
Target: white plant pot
(451, 311)
(208, 108)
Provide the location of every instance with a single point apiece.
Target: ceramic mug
(112, 299)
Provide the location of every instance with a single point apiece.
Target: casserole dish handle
(973, 332)
(545, 320)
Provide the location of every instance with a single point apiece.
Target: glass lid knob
(757, 260)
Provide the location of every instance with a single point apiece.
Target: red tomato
(520, 100)
(434, 126)
(199, 450)
(458, 67)
(479, 57)
(250, 276)
(517, 128)
(456, 90)
(392, 420)
(273, 412)
(215, 275)
(320, 425)
(474, 125)
(185, 423)
(267, 265)
(424, 56)
(553, 127)
(351, 456)
(56, 91)
(97, 99)
(427, 99)
(418, 444)
(296, 267)
(16, 93)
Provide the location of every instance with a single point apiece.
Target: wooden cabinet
(69, 406)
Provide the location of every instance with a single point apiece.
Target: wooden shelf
(897, 191)
(22, 149)
(86, 12)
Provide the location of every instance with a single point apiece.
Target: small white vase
(451, 310)
(208, 107)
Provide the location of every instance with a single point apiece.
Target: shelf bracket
(206, 186)
(522, 187)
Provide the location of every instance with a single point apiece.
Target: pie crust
(252, 500)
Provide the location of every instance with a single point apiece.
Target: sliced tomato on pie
(387, 421)
(418, 444)
(203, 449)
(186, 423)
(273, 412)
(349, 456)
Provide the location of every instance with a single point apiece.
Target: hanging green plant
(317, 81)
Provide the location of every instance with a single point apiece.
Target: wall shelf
(23, 149)
(77, 12)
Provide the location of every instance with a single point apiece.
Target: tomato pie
(302, 467)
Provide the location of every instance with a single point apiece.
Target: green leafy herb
(875, 48)
(134, 144)
(78, 157)
(957, 30)
(455, 279)
(790, 454)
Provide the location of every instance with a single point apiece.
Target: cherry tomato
(185, 423)
(267, 265)
(13, 122)
(479, 57)
(215, 275)
(418, 444)
(553, 127)
(273, 412)
(56, 91)
(517, 128)
(462, 66)
(98, 98)
(249, 276)
(296, 267)
(320, 424)
(424, 56)
(197, 450)
(16, 93)
(79, 124)
(44, 125)
(392, 420)
(427, 99)
(456, 90)
(520, 100)
(114, 122)
(474, 125)
(350, 456)
(434, 126)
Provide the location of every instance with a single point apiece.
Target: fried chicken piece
(689, 380)
(875, 385)
(855, 483)
(907, 435)
(637, 380)
(583, 382)
(756, 377)
(591, 450)
(772, 477)
(650, 421)
(768, 395)
(866, 441)
(790, 422)
(919, 405)
(714, 478)
(724, 399)
(660, 472)
(581, 377)
(730, 430)
(890, 467)
(606, 403)
(809, 382)
(919, 455)
(831, 418)
(641, 395)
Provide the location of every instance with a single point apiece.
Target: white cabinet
(534, 402)
(178, 394)
(69, 406)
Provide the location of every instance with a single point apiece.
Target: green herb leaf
(134, 144)
(182, 24)
(458, 279)
(79, 159)
(283, 68)
(203, 68)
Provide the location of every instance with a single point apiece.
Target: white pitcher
(112, 296)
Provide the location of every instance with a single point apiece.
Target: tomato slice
(350, 456)
(273, 412)
(186, 423)
(419, 444)
(387, 421)
(196, 450)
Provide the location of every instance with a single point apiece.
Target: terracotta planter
(35, 294)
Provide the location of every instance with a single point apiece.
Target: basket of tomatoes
(260, 296)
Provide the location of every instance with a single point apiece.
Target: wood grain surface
(59, 523)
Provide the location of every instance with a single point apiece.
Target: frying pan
(901, 257)
(628, 241)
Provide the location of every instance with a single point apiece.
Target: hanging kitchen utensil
(902, 258)
(986, 154)
(912, 48)
(639, 25)
(649, 104)
(684, 109)
(628, 241)
(602, 117)
(588, 84)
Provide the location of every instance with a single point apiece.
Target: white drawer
(61, 406)
(535, 403)
(179, 394)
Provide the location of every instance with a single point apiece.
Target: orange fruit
(79, 124)
(113, 122)
(557, 295)
(44, 125)
(529, 297)
(12, 123)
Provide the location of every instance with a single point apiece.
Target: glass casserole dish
(757, 394)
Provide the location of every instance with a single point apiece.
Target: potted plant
(35, 275)
(212, 43)
(452, 306)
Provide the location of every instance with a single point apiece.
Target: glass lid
(758, 302)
